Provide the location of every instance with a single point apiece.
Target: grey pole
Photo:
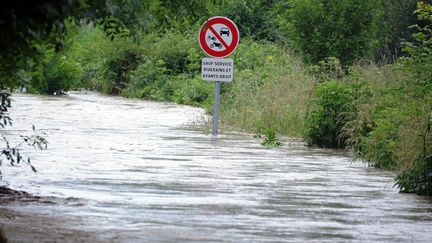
(216, 108)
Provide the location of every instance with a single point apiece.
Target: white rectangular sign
(215, 69)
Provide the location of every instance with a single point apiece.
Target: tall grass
(270, 90)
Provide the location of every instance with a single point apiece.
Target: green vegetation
(384, 113)
(342, 29)
(324, 124)
(271, 140)
(270, 90)
(337, 73)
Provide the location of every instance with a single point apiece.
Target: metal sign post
(218, 37)
(216, 103)
(217, 70)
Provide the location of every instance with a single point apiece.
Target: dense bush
(324, 123)
(372, 127)
(56, 72)
(193, 91)
(90, 47)
(178, 51)
(343, 29)
(89, 60)
(146, 81)
(379, 146)
(116, 71)
(61, 74)
(169, 71)
(104, 63)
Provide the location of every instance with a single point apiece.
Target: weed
(271, 140)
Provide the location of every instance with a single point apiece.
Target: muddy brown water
(124, 170)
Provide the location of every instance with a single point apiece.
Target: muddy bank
(8, 195)
(39, 227)
(30, 218)
(18, 224)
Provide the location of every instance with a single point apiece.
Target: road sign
(214, 69)
(219, 37)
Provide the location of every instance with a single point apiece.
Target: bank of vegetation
(339, 74)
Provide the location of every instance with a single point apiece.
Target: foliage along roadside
(383, 113)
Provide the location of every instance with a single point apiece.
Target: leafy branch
(13, 155)
(8, 152)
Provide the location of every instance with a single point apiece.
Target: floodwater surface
(124, 170)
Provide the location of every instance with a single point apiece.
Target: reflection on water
(141, 173)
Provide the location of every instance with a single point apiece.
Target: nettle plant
(12, 153)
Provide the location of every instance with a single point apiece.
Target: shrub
(146, 81)
(168, 71)
(177, 50)
(373, 128)
(116, 71)
(379, 147)
(152, 81)
(60, 73)
(90, 47)
(105, 63)
(193, 91)
(417, 178)
(324, 123)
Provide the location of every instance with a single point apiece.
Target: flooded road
(131, 170)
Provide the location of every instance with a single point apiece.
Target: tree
(25, 26)
(393, 20)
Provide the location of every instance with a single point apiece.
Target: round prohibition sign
(219, 37)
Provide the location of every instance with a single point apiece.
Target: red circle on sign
(209, 26)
